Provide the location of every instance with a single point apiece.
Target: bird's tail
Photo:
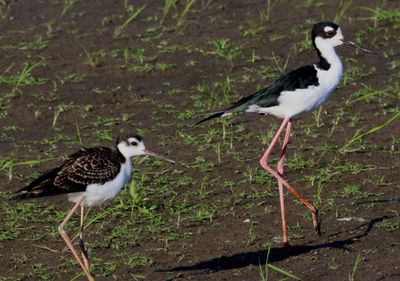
(215, 115)
(20, 196)
(37, 188)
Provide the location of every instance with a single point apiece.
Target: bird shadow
(389, 201)
(276, 254)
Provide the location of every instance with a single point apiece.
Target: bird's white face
(334, 37)
(132, 147)
(329, 38)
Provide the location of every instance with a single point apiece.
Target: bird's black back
(300, 78)
(88, 166)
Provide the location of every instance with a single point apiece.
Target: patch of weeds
(256, 176)
(58, 109)
(135, 260)
(388, 225)
(355, 71)
(4, 10)
(367, 94)
(204, 213)
(108, 268)
(136, 61)
(296, 231)
(224, 49)
(67, 6)
(202, 164)
(311, 4)
(333, 265)
(24, 77)
(168, 6)
(254, 32)
(93, 59)
(182, 16)
(174, 237)
(103, 121)
(302, 44)
(265, 14)
(123, 235)
(10, 230)
(353, 191)
(120, 29)
(73, 78)
(7, 164)
(41, 271)
(53, 141)
(343, 6)
(264, 272)
(220, 93)
(276, 37)
(357, 138)
(380, 15)
(39, 44)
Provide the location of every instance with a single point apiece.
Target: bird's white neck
(327, 52)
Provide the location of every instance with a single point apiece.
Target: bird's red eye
(330, 33)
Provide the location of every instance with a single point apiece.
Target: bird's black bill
(350, 43)
(150, 153)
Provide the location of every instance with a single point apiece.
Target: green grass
(358, 136)
(265, 269)
(23, 77)
(183, 14)
(120, 29)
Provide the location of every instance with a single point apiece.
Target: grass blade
(118, 31)
(358, 135)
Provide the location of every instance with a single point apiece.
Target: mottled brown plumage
(88, 166)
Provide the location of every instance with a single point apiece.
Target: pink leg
(64, 235)
(281, 181)
(84, 252)
(280, 172)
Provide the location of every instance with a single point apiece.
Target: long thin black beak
(151, 153)
(350, 43)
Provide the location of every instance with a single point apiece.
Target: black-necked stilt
(89, 177)
(300, 90)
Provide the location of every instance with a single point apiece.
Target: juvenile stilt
(90, 177)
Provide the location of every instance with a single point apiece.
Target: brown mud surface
(213, 216)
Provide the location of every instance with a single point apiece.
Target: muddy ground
(72, 74)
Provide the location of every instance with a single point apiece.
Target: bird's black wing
(87, 166)
(300, 78)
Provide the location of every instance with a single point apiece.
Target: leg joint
(61, 229)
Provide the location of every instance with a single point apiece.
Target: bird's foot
(286, 245)
(316, 223)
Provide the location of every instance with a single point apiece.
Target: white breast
(97, 194)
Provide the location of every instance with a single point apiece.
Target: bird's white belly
(292, 103)
(97, 194)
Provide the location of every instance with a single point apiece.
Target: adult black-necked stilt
(300, 90)
(89, 177)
